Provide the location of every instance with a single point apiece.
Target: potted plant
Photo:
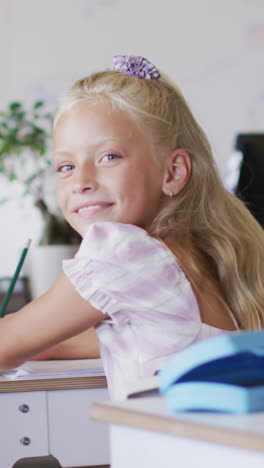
(25, 141)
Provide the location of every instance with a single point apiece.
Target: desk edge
(180, 428)
(13, 386)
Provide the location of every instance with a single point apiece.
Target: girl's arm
(59, 314)
(82, 346)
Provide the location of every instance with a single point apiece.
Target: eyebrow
(60, 153)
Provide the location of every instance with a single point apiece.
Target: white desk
(55, 421)
(144, 435)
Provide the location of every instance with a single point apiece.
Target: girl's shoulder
(113, 231)
(123, 242)
(120, 267)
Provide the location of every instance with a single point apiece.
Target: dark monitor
(250, 186)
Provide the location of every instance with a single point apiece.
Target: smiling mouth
(91, 210)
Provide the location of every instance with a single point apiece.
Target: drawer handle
(25, 440)
(23, 408)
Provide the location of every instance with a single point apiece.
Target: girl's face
(106, 168)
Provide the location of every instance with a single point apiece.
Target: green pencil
(14, 278)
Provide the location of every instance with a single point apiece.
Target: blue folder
(222, 373)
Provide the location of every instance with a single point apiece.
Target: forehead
(86, 126)
(91, 119)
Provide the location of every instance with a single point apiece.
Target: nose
(81, 187)
(84, 182)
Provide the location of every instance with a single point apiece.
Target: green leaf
(31, 178)
(21, 138)
(15, 105)
(12, 176)
(38, 104)
(3, 200)
(20, 115)
(4, 125)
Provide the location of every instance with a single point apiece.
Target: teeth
(87, 208)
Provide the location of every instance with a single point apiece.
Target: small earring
(170, 194)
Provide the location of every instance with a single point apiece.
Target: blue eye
(110, 157)
(65, 168)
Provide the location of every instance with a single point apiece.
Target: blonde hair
(203, 214)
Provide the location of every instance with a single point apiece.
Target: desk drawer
(75, 439)
(23, 426)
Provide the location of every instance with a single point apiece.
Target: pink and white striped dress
(151, 309)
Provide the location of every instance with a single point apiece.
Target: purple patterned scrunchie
(134, 65)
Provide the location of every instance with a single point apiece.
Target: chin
(82, 230)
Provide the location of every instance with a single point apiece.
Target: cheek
(120, 185)
(60, 195)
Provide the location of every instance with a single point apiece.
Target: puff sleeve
(120, 269)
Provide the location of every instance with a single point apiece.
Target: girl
(168, 256)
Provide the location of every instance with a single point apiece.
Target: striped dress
(149, 310)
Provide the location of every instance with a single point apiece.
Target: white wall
(212, 49)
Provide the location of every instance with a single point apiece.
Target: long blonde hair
(204, 213)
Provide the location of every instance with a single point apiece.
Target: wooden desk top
(245, 431)
(10, 386)
(55, 382)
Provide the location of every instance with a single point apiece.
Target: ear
(177, 172)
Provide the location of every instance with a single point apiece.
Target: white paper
(56, 369)
(143, 385)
